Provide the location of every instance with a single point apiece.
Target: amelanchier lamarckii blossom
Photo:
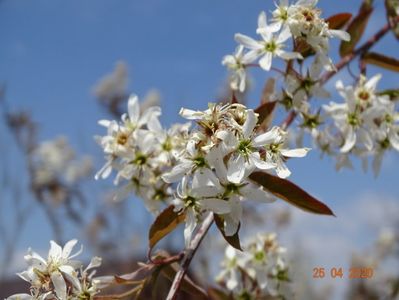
(260, 270)
(301, 21)
(200, 171)
(58, 277)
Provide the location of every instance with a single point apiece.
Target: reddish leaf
(303, 47)
(268, 90)
(392, 13)
(338, 21)
(233, 240)
(356, 28)
(290, 192)
(265, 111)
(166, 222)
(138, 275)
(382, 61)
(234, 98)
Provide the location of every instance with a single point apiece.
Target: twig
(362, 49)
(189, 254)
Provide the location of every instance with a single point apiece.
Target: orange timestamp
(339, 272)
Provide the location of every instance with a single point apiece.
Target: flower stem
(188, 256)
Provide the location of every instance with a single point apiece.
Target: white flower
(246, 156)
(52, 278)
(236, 63)
(261, 261)
(276, 153)
(268, 47)
(201, 196)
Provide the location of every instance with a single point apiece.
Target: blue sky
(52, 52)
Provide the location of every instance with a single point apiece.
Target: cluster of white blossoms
(199, 170)
(300, 21)
(60, 277)
(140, 150)
(259, 271)
(56, 161)
(365, 124)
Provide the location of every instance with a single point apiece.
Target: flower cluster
(55, 161)
(60, 277)
(301, 22)
(366, 123)
(140, 150)
(198, 170)
(259, 271)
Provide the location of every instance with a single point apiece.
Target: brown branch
(189, 254)
(362, 49)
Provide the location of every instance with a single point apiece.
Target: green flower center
(140, 159)
(271, 46)
(199, 161)
(245, 147)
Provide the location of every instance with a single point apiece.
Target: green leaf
(356, 28)
(233, 240)
(290, 192)
(166, 222)
(338, 21)
(382, 61)
(392, 12)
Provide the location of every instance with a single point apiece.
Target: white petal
(266, 61)
(66, 269)
(266, 138)
(259, 163)
(251, 56)
(20, 297)
(288, 55)
(133, 108)
(249, 124)
(236, 170)
(55, 250)
(68, 248)
(284, 35)
(247, 41)
(371, 84)
(350, 140)
(216, 205)
(191, 223)
(191, 114)
(59, 285)
(256, 193)
(94, 263)
(282, 170)
(299, 152)
(341, 34)
(177, 172)
(230, 225)
(262, 20)
(215, 158)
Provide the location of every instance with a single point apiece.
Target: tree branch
(189, 254)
